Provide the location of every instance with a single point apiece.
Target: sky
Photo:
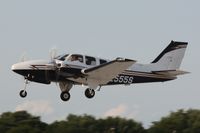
(138, 30)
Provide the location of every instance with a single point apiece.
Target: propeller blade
(53, 53)
(23, 57)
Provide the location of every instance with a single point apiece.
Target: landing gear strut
(23, 92)
(89, 93)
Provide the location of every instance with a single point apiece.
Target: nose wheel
(23, 92)
(89, 93)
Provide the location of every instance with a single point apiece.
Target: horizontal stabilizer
(171, 73)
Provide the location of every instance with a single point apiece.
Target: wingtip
(179, 42)
(125, 59)
(130, 60)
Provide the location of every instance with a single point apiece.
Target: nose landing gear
(23, 92)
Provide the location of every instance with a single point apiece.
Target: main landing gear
(89, 93)
(65, 88)
(65, 96)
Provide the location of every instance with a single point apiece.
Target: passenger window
(76, 58)
(102, 61)
(90, 60)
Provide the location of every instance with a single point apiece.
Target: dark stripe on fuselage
(46, 76)
(40, 76)
(146, 74)
(131, 79)
(127, 77)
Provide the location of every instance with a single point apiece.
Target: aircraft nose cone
(26, 66)
(13, 67)
(17, 67)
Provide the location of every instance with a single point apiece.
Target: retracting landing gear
(65, 96)
(65, 88)
(23, 92)
(89, 93)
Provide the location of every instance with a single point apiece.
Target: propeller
(56, 66)
(23, 57)
(53, 53)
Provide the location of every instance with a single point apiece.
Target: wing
(104, 73)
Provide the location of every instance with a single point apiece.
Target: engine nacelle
(65, 86)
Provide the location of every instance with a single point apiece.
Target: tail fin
(171, 57)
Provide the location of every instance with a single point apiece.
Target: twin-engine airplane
(76, 69)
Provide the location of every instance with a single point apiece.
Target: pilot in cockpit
(76, 58)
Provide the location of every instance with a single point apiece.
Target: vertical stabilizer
(171, 57)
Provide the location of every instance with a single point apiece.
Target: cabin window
(102, 61)
(76, 57)
(90, 60)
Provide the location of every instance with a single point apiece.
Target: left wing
(104, 73)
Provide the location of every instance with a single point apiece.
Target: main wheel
(89, 93)
(23, 93)
(65, 96)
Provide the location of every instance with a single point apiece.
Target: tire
(65, 96)
(89, 93)
(23, 93)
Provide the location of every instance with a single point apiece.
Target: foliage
(20, 122)
(178, 122)
(88, 124)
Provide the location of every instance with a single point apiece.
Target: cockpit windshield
(61, 57)
(67, 57)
